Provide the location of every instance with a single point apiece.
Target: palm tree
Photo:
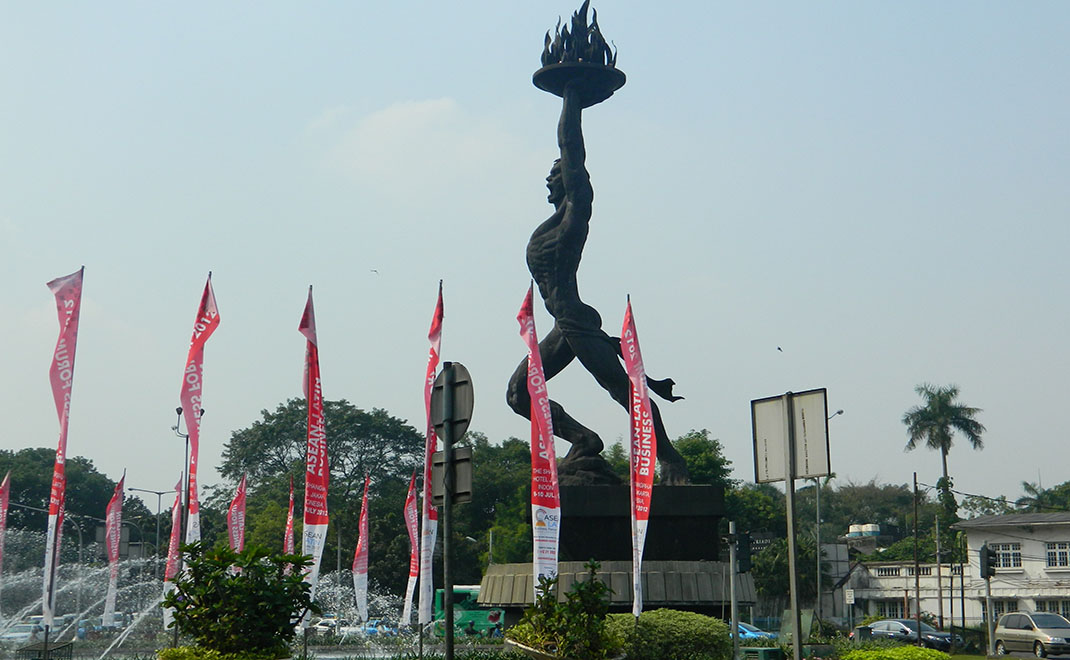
(1037, 499)
(938, 418)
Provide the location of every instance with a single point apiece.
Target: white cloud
(423, 150)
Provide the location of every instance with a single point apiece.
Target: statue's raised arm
(577, 182)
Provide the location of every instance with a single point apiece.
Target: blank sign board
(769, 419)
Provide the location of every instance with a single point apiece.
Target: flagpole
(184, 514)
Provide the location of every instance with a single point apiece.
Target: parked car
(905, 630)
(1042, 633)
(747, 631)
(380, 627)
(324, 626)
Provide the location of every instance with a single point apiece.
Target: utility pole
(939, 580)
(917, 567)
(733, 572)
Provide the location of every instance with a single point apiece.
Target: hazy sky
(879, 189)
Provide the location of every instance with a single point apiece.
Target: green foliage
(757, 507)
(1037, 499)
(705, 458)
(903, 550)
(197, 653)
(467, 654)
(935, 422)
(88, 494)
(574, 629)
(771, 568)
(665, 633)
(272, 450)
(849, 503)
(617, 458)
(240, 602)
(897, 653)
(500, 502)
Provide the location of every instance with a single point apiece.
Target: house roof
(1014, 520)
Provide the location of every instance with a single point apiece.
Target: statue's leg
(556, 355)
(674, 470)
(599, 356)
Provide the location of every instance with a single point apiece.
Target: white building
(1032, 573)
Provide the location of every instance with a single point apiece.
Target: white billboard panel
(770, 429)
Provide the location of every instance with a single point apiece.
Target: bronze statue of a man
(553, 256)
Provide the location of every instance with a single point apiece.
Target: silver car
(1042, 633)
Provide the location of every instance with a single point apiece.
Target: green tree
(87, 495)
(979, 505)
(359, 443)
(862, 503)
(935, 422)
(1038, 499)
(501, 501)
(705, 459)
(617, 458)
(757, 508)
(771, 569)
(252, 610)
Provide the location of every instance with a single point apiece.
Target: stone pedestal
(684, 520)
(681, 567)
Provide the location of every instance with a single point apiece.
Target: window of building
(999, 607)
(890, 609)
(1055, 606)
(956, 569)
(887, 571)
(1008, 555)
(1058, 554)
(922, 570)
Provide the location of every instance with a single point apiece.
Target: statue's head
(555, 184)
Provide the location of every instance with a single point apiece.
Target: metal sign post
(791, 442)
(451, 411)
(789, 497)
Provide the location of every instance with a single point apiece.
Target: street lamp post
(817, 534)
(159, 503)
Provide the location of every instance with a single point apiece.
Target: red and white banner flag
(412, 524)
(113, 527)
(360, 558)
(429, 528)
(288, 535)
(68, 293)
(545, 501)
(191, 397)
(171, 568)
(5, 496)
(236, 518)
(642, 451)
(317, 470)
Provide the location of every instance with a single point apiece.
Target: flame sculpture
(581, 55)
(584, 43)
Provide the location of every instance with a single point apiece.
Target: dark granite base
(684, 522)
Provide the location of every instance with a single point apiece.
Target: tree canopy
(940, 415)
(87, 496)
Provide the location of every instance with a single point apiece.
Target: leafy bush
(843, 645)
(473, 654)
(574, 629)
(239, 603)
(897, 653)
(195, 653)
(665, 633)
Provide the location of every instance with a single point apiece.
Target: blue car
(747, 631)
